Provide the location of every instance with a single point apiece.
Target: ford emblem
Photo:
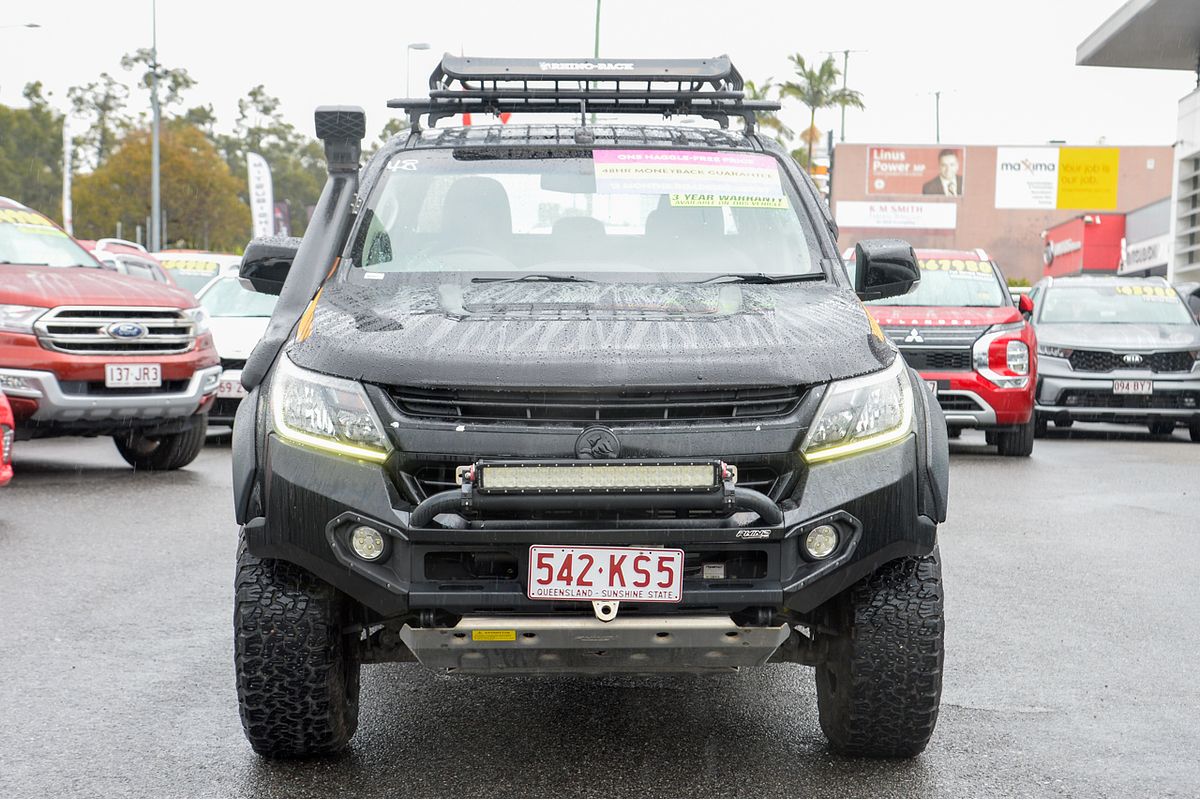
(126, 330)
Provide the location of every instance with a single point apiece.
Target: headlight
(19, 319)
(199, 318)
(326, 412)
(861, 414)
(1053, 352)
(1001, 358)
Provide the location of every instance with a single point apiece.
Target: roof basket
(711, 88)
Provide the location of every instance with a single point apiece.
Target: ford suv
(581, 398)
(88, 352)
(972, 344)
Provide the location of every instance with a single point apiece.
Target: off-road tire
(297, 669)
(158, 453)
(1041, 425)
(1160, 427)
(879, 689)
(1017, 443)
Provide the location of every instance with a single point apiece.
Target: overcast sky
(1005, 69)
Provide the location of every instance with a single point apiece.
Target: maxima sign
(1080, 178)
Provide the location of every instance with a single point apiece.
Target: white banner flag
(262, 195)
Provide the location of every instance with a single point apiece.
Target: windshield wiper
(762, 277)
(545, 278)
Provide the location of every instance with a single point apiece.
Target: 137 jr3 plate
(641, 575)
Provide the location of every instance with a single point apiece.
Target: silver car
(1115, 349)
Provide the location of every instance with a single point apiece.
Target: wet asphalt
(1073, 645)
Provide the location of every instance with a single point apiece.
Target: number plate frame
(1133, 387)
(133, 376)
(599, 573)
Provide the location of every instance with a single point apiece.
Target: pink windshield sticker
(686, 171)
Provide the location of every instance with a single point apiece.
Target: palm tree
(818, 88)
(769, 119)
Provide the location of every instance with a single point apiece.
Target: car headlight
(1053, 352)
(1001, 358)
(19, 319)
(199, 318)
(329, 413)
(861, 414)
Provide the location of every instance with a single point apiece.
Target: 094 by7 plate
(636, 575)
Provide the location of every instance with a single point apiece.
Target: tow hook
(606, 610)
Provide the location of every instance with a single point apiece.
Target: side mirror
(884, 268)
(266, 263)
(1025, 305)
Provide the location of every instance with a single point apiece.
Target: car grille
(584, 407)
(98, 389)
(1104, 361)
(941, 360)
(958, 402)
(935, 335)
(83, 331)
(1187, 401)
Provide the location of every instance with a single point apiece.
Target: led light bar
(591, 477)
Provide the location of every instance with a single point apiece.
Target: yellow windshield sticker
(29, 222)
(955, 265)
(1148, 292)
(494, 636)
(731, 200)
(190, 265)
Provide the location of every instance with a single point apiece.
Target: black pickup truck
(582, 397)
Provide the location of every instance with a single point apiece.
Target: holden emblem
(597, 442)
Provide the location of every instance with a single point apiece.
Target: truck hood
(532, 335)
(943, 315)
(1119, 336)
(235, 337)
(74, 286)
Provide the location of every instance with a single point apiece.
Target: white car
(238, 319)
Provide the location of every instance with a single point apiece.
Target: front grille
(585, 407)
(84, 331)
(958, 402)
(1186, 401)
(929, 335)
(98, 389)
(1104, 361)
(940, 360)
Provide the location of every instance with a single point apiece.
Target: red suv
(975, 349)
(88, 352)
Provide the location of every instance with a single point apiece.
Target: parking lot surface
(1071, 636)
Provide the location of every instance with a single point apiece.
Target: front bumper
(58, 408)
(1065, 394)
(312, 500)
(970, 401)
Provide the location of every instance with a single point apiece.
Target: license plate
(127, 375)
(932, 387)
(641, 575)
(1133, 387)
(230, 384)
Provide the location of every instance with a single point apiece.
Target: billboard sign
(936, 171)
(1064, 178)
(890, 214)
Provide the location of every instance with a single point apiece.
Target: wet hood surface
(532, 335)
(73, 286)
(1119, 336)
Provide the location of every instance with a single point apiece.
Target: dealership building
(1163, 34)
(1035, 210)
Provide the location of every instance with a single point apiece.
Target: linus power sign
(1077, 178)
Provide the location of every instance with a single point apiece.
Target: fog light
(367, 543)
(820, 542)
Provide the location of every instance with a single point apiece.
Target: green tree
(818, 89)
(31, 153)
(769, 90)
(172, 83)
(101, 106)
(199, 195)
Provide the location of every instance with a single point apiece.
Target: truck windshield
(642, 213)
(1115, 303)
(27, 237)
(953, 282)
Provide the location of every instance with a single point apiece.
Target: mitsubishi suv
(572, 397)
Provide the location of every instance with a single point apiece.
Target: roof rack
(711, 88)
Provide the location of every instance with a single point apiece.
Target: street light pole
(845, 69)
(408, 60)
(155, 237)
(937, 117)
